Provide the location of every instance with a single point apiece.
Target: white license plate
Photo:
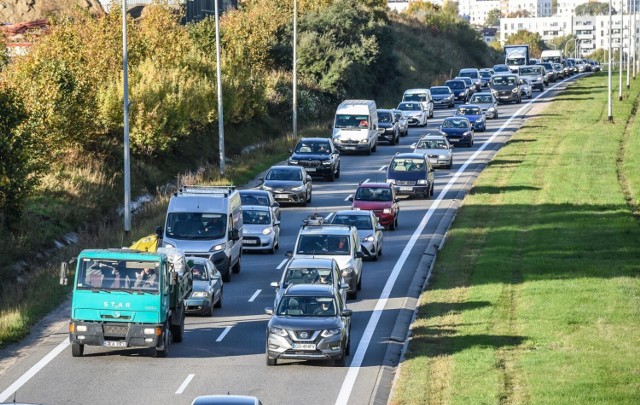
(453, 140)
(282, 196)
(304, 346)
(111, 343)
(310, 169)
(249, 242)
(350, 148)
(406, 188)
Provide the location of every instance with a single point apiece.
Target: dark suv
(411, 174)
(318, 156)
(506, 88)
(311, 322)
(459, 88)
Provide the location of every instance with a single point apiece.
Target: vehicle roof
(254, 191)
(456, 117)
(468, 69)
(440, 87)
(500, 74)
(310, 262)
(292, 168)
(454, 80)
(198, 259)
(469, 106)
(311, 290)
(433, 137)
(409, 155)
(385, 110)
(325, 229)
(416, 90)
(485, 69)
(433, 131)
(315, 139)
(482, 93)
(376, 185)
(354, 212)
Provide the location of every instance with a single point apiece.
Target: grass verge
(535, 296)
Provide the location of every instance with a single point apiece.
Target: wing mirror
(268, 310)
(275, 284)
(359, 255)
(64, 269)
(350, 198)
(346, 312)
(234, 234)
(289, 253)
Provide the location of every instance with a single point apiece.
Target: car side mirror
(275, 204)
(308, 178)
(261, 179)
(380, 228)
(64, 268)
(234, 234)
(450, 146)
(159, 231)
(396, 200)
(290, 151)
(344, 286)
(359, 255)
(268, 310)
(275, 284)
(432, 170)
(350, 198)
(276, 222)
(346, 312)
(413, 145)
(288, 253)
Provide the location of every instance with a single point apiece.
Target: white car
(437, 149)
(525, 87)
(414, 111)
(261, 229)
(369, 230)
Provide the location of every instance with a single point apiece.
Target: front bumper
(443, 102)
(316, 169)
(115, 334)
(436, 161)
(459, 140)
(329, 348)
(414, 120)
(478, 125)
(387, 136)
(198, 305)
(286, 196)
(352, 146)
(258, 242)
(504, 97)
(411, 190)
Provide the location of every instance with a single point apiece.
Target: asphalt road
(225, 353)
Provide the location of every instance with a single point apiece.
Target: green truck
(128, 298)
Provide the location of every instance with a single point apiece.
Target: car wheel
(432, 189)
(347, 350)
(211, 306)
(496, 116)
(359, 285)
(450, 165)
(368, 152)
(397, 138)
(392, 227)
(227, 276)
(340, 361)
(309, 196)
(219, 303)
(332, 176)
(352, 294)
(530, 95)
(375, 256)
(338, 172)
(77, 349)
(271, 362)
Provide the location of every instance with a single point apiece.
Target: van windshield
(114, 275)
(352, 121)
(196, 225)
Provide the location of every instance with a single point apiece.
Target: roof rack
(327, 225)
(198, 189)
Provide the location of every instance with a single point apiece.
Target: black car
(388, 127)
(442, 96)
(459, 130)
(411, 174)
(459, 88)
(506, 88)
(318, 156)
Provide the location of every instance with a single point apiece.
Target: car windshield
(253, 217)
(485, 73)
(440, 90)
(469, 111)
(398, 115)
(531, 70)
(315, 147)
(470, 74)
(284, 174)
(384, 117)
(454, 124)
(307, 275)
(415, 97)
(504, 81)
(456, 85)
(352, 121)
(359, 221)
(306, 306)
(407, 165)
(199, 271)
(432, 144)
(323, 245)
(254, 199)
(195, 225)
(501, 68)
(409, 107)
(373, 194)
(114, 275)
(481, 99)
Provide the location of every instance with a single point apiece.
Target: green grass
(536, 295)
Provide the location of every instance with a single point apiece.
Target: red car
(379, 198)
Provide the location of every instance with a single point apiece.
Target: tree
(593, 9)
(493, 18)
(450, 7)
(518, 13)
(533, 39)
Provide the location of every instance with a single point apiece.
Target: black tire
(340, 361)
(397, 139)
(496, 117)
(77, 349)
(392, 227)
(211, 306)
(332, 176)
(379, 251)
(352, 294)
(309, 196)
(226, 277)
(531, 96)
(375, 257)
(165, 337)
(236, 269)
(431, 190)
(219, 303)
(359, 285)
(177, 331)
(271, 362)
(368, 152)
(375, 147)
(338, 172)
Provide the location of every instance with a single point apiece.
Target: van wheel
(375, 147)
(236, 268)
(227, 276)
(77, 349)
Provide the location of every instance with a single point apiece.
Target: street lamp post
(629, 53)
(127, 157)
(219, 85)
(621, 50)
(609, 68)
(295, 69)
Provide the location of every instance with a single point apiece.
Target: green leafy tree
(533, 39)
(593, 9)
(493, 18)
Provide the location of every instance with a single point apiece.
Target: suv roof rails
(199, 189)
(327, 225)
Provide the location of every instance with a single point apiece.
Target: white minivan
(421, 95)
(355, 127)
(206, 221)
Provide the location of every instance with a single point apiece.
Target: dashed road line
(281, 264)
(185, 383)
(224, 333)
(255, 295)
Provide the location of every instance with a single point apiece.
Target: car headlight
(539, 78)
(326, 162)
(218, 248)
(337, 140)
(422, 181)
(467, 133)
(480, 120)
(461, 93)
(266, 231)
(514, 90)
(299, 188)
(442, 156)
(169, 245)
(491, 109)
(293, 162)
(199, 294)
(347, 271)
(330, 332)
(277, 331)
(386, 211)
(267, 188)
(494, 91)
(391, 181)
(368, 239)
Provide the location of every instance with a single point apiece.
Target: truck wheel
(177, 331)
(77, 349)
(162, 352)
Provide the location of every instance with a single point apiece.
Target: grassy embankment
(535, 297)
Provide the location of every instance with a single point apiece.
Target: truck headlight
(277, 331)
(218, 247)
(330, 332)
(81, 328)
(266, 231)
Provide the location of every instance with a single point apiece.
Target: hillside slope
(15, 11)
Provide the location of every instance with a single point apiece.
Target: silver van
(206, 221)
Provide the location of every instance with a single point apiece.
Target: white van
(421, 95)
(355, 127)
(206, 221)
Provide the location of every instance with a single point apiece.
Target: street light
(621, 41)
(609, 107)
(219, 85)
(127, 164)
(295, 69)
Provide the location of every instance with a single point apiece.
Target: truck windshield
(516, 61)
(118, 275)
(196, 225)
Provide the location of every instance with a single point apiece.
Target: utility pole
(629, 52)
(609, 67)
(219, 83)
(127, 157)
(295, 69)
(621, 49)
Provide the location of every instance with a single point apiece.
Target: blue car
(458, 130)
(474, 114)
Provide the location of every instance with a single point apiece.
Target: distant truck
(128, 298)
(552, 56)
(515, 56)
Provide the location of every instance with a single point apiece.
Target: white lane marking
(185, 383)
(363, 345)
(349, 196)
(382, 168)
(281, 264)
(365, 181)
(223, 334)
(255, 295)
(33, 370)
